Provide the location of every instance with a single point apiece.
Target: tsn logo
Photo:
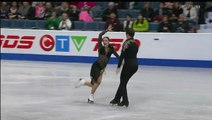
(116, 42)
(16, 41)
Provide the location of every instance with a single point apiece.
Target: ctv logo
(62, 42)
(116, 42)
(16, 41)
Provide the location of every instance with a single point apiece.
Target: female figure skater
(98, 67)
(129, 54)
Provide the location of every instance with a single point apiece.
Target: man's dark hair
(130, 32)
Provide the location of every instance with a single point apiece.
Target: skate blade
(113, 104)
(89, 101)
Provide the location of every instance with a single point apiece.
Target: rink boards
(160, 49)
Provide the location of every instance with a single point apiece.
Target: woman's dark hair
(130, 32)
(107, 38)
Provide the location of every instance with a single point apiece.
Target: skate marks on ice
(45, 91)
(106, 111)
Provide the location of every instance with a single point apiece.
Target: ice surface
(45, 91)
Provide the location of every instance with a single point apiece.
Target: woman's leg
(94, 73)
(93, 86)
(96, 85)
(88, 83)
(83, 82)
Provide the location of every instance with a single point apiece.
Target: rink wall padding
(156, 49)
(87, 59)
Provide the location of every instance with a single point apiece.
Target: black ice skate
(114, 102)
(126, 104)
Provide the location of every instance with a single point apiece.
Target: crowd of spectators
(171, 16)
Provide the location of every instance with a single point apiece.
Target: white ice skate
(91, 98)
(80, 83)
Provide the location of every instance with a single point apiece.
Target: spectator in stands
(147, 12)
(134, 5)
(4, 10)
(158, 16)
(90, 5)
(23, 10)
(53, 21)
(84, 14)
(120, 5)
(33, 4)
(31, 13)
(63, 8)
(13, 11)
(19, 4)
(208, 6)
(116, 26)
(201, 12)
(65, 23)
(182, 25)
(72, 3)
(49, 9)
(131, 5)
(110, 9)
(128, 22)
(74, 13)
(190, 12)
(165, 25)
(40, 11)
(168, 9)
(57, 6)
(141, 24)
(177, 10)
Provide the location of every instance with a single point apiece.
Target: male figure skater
(129, 54)
(98, 67)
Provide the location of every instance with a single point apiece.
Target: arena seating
(97, 25)
(77, 25)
